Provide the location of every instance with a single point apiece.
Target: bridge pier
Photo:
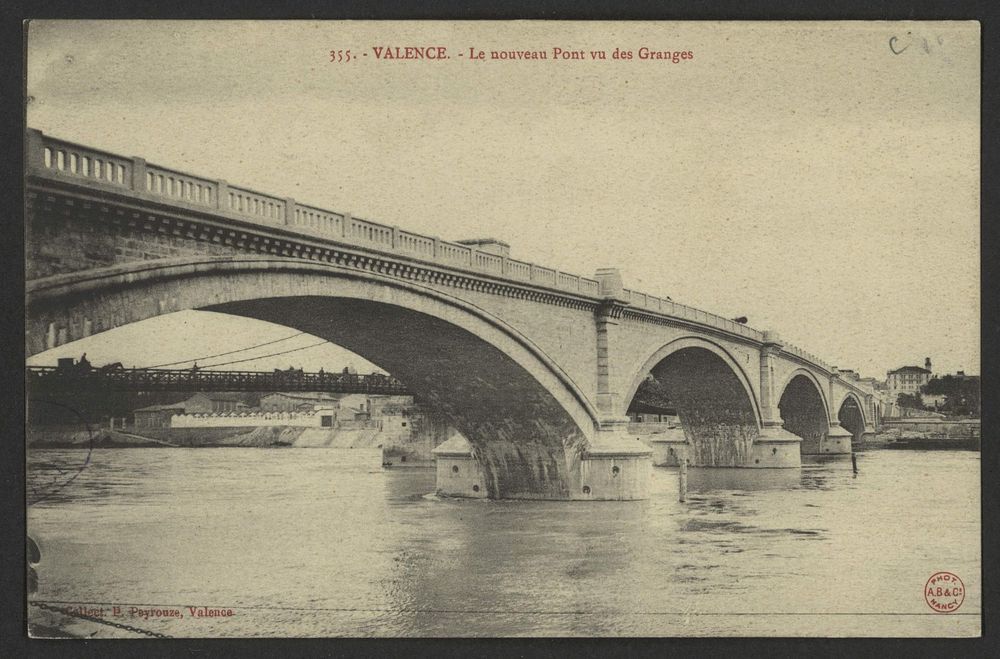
(669, 447)
(776, 447)
(614, 467)
(458, 472)
(836, 441)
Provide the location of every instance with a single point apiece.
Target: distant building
(214, 403)
(364, 407)
(381, 406)
(295, 401)
(156, 416)
(641, 412)
(908, 379)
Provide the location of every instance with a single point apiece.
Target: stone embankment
(396, 449)
(161, 437)
(928, 434)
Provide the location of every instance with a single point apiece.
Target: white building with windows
(905, 380)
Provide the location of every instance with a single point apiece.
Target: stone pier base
(776, 448)
(837, 441)
(616, 466)
(669, 447)
(458, 473)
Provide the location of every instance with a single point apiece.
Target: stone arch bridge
(534, 368)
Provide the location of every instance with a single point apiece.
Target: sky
(820, 179)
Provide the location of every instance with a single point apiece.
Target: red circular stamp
(944, 592)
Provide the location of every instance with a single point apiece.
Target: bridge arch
(851, 415)
(714, 398)
(527, 421)
(804, 409)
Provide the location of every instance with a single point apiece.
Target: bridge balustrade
(488, 262)
(162, 182)
(257, 205)
(518, 269)
(321, 221)
(86, 163)
(364, 231)
(415, 244)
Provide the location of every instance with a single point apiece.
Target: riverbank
(924, 443)
(928, 434)
(160, 437)
(396, 451)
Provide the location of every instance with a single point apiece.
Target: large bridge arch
(713, 395)
(804, 409)
(527, 421)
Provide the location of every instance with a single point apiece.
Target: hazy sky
(803, 175)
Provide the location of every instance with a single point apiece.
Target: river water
(315, 542)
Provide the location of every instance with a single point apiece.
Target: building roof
(909, 369)
(220, 395)
(303, 395)
(161, 408)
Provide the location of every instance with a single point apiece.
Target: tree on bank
(962, 394)
(652, 392)
(910, 401)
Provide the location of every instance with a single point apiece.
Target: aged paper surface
(503, 329)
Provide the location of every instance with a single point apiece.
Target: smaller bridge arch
(694, 342)
(851, 415)
(808, 374)
(804, 409)
(715, 400)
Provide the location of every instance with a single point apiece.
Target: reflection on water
(744, 480)
(312, 543)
